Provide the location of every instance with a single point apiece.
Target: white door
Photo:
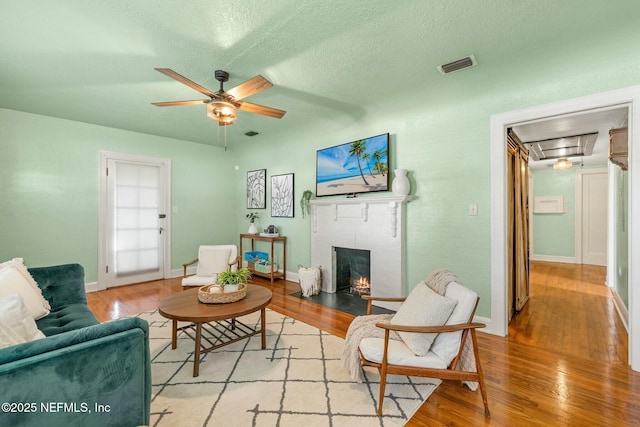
(594, 217)
(134, 205)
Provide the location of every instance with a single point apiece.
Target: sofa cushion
(67, 318)
(16, 322)
(14, 278)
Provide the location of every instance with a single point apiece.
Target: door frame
(580, 211)
(629, 97)
(103, 213)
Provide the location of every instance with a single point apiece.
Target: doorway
(134, 230)
(591, 226)
(629, 97)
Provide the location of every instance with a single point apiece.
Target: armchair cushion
(212, 260)
(446, 345)
(423, 307)
(398, 353)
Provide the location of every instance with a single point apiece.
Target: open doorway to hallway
(629, 97)
(569, 205)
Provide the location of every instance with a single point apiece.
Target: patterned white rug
(298, 380)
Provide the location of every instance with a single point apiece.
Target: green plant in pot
(252, 217)
(304, 202)
(230, 280)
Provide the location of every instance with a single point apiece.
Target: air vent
(458, 65)
(251, 133)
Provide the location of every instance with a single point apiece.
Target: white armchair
(212, 259)
(437, 339)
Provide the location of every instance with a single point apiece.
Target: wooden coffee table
(216, 324)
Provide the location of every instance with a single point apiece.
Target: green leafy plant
(233, 277)
(252, 216)
(304, 202)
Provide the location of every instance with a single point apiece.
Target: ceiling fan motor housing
(222, 76)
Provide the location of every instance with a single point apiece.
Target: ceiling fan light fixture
(562, 164)
(222, 112)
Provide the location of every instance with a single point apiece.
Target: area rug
(298, 380)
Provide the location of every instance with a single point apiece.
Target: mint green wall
(554, 233)
(444, 142)
(49, 176)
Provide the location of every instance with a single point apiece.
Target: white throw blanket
(365, 327)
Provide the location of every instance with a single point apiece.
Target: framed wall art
(282, 195)
(257, 189)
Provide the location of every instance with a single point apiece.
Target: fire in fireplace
(352, 270)
(361, 286)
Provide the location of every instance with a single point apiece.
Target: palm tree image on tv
(358, 149)
(360, 166)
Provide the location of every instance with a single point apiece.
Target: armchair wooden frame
(184, 266)
(469, 329)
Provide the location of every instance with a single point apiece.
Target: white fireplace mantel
(376, 224)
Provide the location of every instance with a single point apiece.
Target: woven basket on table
(220, 298)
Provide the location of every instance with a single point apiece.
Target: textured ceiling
(331, 61)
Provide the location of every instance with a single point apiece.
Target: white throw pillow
(15, 279)
(423, 307)
(446, 346)
(16, 323)
(212, 261)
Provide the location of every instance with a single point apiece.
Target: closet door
(519, 222)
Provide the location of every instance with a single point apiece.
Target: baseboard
(290, 275)
(553, 258)
(92, 287)
(486, 321)
(621, 309)
(178, 272)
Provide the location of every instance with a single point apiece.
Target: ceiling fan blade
(179, 103)
(250, 87)
(182, 79)
(261, 109)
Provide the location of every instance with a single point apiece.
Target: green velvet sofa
(84, 373)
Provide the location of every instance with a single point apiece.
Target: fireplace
(352, 270)
(372, 224)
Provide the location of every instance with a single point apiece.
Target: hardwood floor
(564, 362)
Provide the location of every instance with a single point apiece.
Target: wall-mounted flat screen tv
(360, 166)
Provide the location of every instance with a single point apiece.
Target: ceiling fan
(222, 105)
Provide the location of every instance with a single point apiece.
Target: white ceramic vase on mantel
(400, 185)
(253, 229)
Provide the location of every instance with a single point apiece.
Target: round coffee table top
(185, 305)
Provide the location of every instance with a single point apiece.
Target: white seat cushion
(15, 279)
(423, 307)
(446, 345)
(398, 354)
(212, 260)
(199, 280)
(16, 323)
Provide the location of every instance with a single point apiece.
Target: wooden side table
(281, 239)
